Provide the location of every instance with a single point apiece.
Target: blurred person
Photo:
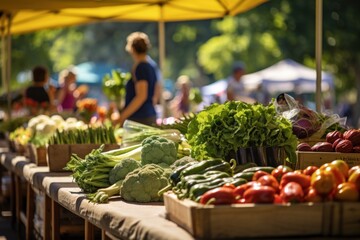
(236, 88)
(37, 97)
(158, 85)
(66, 98)
(140, 89)
(180, 105)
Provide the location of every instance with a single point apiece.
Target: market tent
(284, 76)
(19, 16)
(35, 15)
(287, 75)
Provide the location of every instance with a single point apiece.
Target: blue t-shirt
(143, 72)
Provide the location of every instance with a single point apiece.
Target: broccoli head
(158, 150)
(121, 169)
(144, 183)
(182, 161)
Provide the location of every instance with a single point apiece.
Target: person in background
(37, 97)
(236, 88)
(158, 86)
(180, 105)
(140, 89)
(66, 96)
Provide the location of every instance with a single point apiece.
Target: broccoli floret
(158, 150)
(181, 162)
(143, 184)
(121, 169)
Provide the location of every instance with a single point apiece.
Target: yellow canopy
(40, 14)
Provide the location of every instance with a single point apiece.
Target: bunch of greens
(222, 129)
(114, 86)
(99, 135)
(135, 133)
(92, 172)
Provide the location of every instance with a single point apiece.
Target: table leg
(18, 196)
(47, 218)
(30, 211)
(104, 236)
(89, 230)
(13, 199)
(55, 220)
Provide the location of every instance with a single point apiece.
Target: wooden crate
(346, 219)
(249, 220)
(37, 155)
(305, 159)
(60, 154)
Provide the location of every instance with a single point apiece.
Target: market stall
(256, 161)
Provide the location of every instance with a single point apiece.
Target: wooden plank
(349, 221)
(47, 218)
(55, 220)
(30, 211)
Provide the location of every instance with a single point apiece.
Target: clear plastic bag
(306, 122)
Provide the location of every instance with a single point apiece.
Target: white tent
(284, 76)
(287, 76)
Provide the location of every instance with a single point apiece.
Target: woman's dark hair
(138, 42)
(39, 74)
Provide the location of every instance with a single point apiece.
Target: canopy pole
(5, 25)
(318, 51)
(161, 30)
(8, 65)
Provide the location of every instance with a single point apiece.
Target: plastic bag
(306, 122)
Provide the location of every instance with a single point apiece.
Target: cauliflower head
(143, 184)
(158, 150)
(121, 169)
(182, 161)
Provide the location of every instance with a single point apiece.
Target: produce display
(41, 128)
(127, 171)
(336, 141)
(331, 182)
(221, 129)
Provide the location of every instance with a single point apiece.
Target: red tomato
(347, 192)
(218, 196)
(292, 192)
(301, 179)
(280, 171)
(259, 194)
(310, 170)
(269, 180)
(259, 174)
(278, 199)
(239, 191)
(312, 196)
(229, 185)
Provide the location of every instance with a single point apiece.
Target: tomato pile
(333, 181)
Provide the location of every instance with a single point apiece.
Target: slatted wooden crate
(249, 220)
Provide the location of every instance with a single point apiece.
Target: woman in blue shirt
(141, 87)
